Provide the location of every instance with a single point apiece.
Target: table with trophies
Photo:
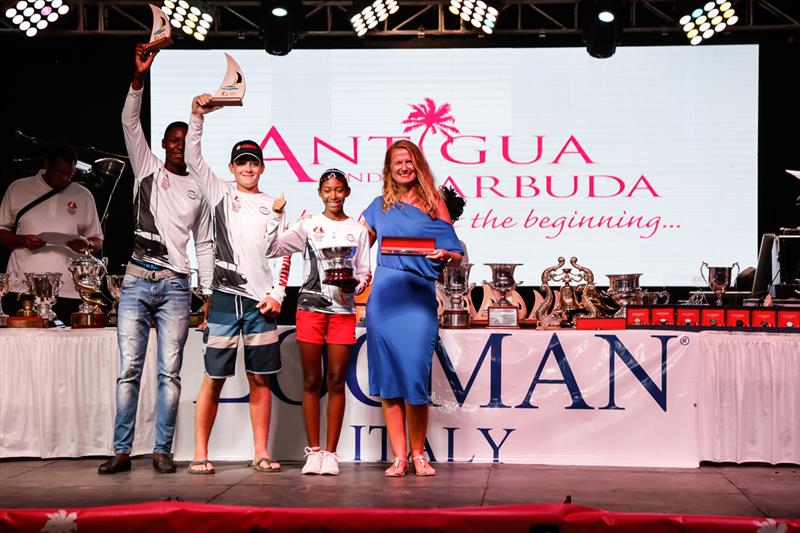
(733, 393)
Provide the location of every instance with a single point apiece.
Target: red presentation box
(599, 323)
(687, 316)
(762, 318)
(662, 316)
(407, 245)
(789, 318)
(637, 316)
(712, 317)
(737, 318)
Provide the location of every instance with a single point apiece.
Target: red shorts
(322, 328)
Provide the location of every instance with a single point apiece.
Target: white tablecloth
(57, 395)
(749, 397)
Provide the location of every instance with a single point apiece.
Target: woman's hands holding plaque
(200, 105)
(439, 256)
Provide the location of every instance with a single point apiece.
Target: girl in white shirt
(325, 313)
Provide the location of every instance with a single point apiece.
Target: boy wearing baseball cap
(247, 293)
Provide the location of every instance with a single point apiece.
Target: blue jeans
(166, 301)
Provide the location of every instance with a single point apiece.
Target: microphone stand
(104, 218)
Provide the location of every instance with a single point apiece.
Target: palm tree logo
(430, 117)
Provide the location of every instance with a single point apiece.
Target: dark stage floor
(715, 489)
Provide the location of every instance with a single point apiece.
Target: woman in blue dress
(402, 326)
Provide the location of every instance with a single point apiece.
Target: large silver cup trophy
(3, 292)
(456, 287)
(503, 313)
(44, 287)
(87, 273)
(114, 286)
(624, 290)
(339, 272)
(719, 278)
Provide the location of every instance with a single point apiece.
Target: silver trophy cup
(719, 278)
(44, 287)
(114, 286)
(503, 313)
(87, 274)
(456, 287)
(3, 292)
(624, 290)
(339, 272)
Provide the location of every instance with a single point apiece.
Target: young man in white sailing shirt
(167, 207)
(247, 294)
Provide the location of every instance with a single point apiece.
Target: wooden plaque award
(231, 90)
(161, 35)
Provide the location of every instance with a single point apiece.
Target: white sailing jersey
(312, 233)
(166, 206)
(243, 224)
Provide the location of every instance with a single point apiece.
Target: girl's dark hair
(455, 203)
(333, 173)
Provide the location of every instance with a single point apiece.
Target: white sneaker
(330, 464)
(313, 461)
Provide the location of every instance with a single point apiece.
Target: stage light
(33, 16)
(602, 26)
(281, 21)
(366, 15)
(712, 18)
(477, 12)
(184, 14)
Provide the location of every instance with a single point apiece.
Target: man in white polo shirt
(48, 203)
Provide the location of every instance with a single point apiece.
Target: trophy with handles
(503, 313)
(456, 287)
(44, 287)
(719, 278)
(87, 274)
(339, 273)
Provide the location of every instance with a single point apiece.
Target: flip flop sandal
(256, 465)
(206, 471)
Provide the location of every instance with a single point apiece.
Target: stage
(720, 491)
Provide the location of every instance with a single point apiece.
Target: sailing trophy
(161, 34)
(231, 90)
(87, 273)
(339, 274)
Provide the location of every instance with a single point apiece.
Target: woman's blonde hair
(425, 185)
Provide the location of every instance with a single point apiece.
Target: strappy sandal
(395, 470)
(204, 472)
(422, 467)
(256, 465)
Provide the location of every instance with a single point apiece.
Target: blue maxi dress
(402, 325)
